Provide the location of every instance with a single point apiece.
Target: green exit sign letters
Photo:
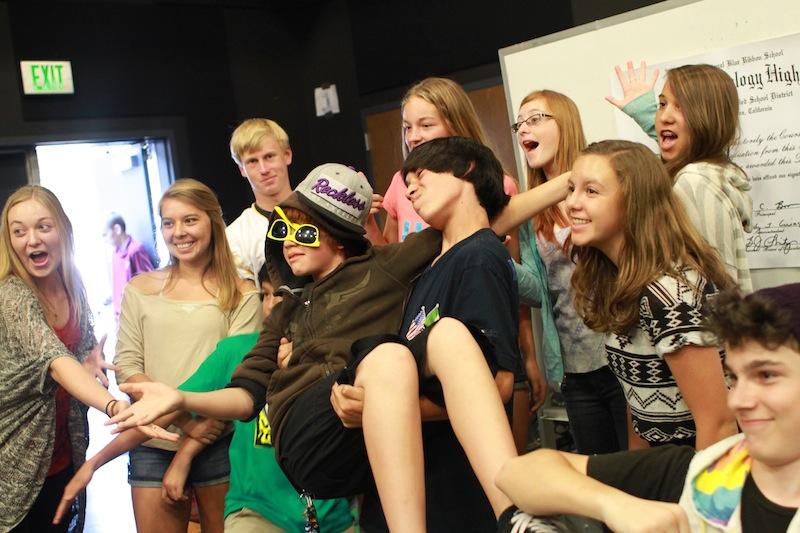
(47, 77)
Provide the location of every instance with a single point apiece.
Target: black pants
(40, 516)
(324, 458)
(596, 408)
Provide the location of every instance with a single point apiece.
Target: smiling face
(422, 123)
(540, 140)
(594, 205)
(186, 230)
(671, 127)
(267, 170)
(35, 239)
(764, 395)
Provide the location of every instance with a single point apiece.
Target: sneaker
(514, 520)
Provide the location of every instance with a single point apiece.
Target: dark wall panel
(266, 69)
(397, 43)
(135, 61)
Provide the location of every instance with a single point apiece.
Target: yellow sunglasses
(284, 229)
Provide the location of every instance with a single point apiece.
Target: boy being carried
(446, 352)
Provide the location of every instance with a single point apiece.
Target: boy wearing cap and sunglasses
(747, 483)
(359, 292)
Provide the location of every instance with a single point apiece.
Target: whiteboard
(579, 62)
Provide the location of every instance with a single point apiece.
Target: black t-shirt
(760, 514)
(474, 282)
(660, 473)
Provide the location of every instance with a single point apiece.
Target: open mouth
(39, 258)
(579, 221)
(668, 139)
(184, 245)
(530, 146)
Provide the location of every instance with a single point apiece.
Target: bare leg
(154, 515)
(393, 434)
(211, 502)
(472, 399)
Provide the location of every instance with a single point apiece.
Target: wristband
(111, 404)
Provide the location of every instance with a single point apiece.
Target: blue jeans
(596, 409)
(147, 466)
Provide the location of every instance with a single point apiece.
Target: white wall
(579, 62)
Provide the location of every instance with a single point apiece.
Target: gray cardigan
(27, 400)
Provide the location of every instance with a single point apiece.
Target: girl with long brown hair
(643, 275)
(550, 133)
(695, 121)
(171, 320)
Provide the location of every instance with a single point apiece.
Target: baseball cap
(337, 196)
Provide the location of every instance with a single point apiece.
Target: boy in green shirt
(259, 494)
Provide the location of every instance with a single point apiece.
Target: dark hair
(116, 219)
(351, 247)
(466, 159)
(764, 317)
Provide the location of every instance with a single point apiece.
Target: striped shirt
(720, 208)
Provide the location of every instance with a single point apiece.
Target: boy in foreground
(749, 482)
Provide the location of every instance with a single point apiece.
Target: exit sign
(46, 77)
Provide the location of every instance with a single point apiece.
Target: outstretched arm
(633, 85)
(158, 399)
(173, 485)
(121, 444)
(525, 205)
(564, 487)
(82, 385)
(638, 100)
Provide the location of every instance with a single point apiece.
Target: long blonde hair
(710, 105)
(571, 141)
(658, 239)
(10, 264)
(454, 106)
(220, 261)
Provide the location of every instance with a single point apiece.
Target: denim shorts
(147, 466)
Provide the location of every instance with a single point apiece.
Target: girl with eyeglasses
(171, 320)
(550, 133)
(695, 121)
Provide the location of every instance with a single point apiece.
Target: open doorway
(92, 180)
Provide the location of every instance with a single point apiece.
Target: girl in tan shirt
(171, 319)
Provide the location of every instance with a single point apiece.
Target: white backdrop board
(579, 62)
